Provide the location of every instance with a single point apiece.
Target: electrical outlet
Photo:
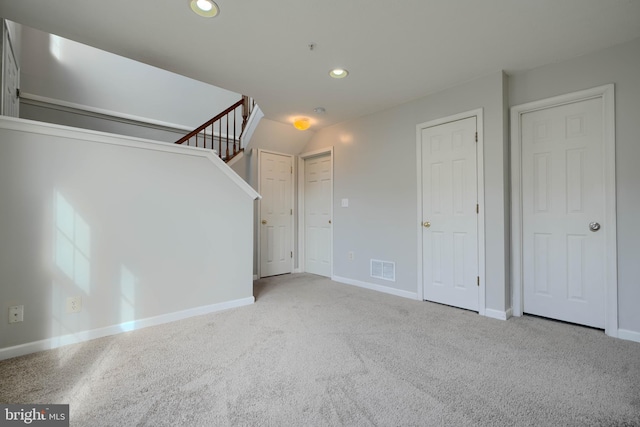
(350, 256)
(74, 304)
(16, 313)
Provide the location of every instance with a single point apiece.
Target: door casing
(478, 113)
(605, 92)
(6, 49)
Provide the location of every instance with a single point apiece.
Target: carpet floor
(312, 352)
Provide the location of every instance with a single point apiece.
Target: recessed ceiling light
(338, 73)
(206, 8)
(319, 110)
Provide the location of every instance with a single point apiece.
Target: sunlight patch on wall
(72, 272)
(127, 299)
(55, 46)
(61, 324)
(72, 244)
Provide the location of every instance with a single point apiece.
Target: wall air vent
(385, 270)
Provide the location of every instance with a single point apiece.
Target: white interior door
(563, 192)
(317, 214)
(450, 214)
(276, 213)
(10, 77)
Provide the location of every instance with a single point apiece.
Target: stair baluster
(232, 148)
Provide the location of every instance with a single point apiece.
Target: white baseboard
(255, 277)
(497, 314)
(297, 270)
(374, 287)
(55, 342)
(629, 335)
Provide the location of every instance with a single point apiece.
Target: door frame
(6, 45)
(301, 187)
(607, 94)
(478, 114)
(258, 216)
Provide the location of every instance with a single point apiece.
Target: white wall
(137, 229)
(375, 168)
(65, 70)
(619, 65)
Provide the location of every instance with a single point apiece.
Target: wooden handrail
(232, 142)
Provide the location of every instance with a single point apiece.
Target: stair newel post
(245, 110)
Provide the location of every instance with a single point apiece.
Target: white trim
(607, 94)
(255, 277)
(478, 114)
(498, 314)
(301, 234)
(315, 153)
(628, 335)
(374, 287)
(30, 126)
(100, 113)
(252, 124)
(135, 325)
(6, 30)
(258, 217)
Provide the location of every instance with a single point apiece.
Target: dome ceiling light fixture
(319, 110)
(205, 8)
(338, 73)
(301, 123)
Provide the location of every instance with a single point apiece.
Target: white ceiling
(396, 51)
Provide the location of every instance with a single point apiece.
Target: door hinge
(17, 92)
(477, 208)
(290, 211)
(291, 170)
(476, 136)
(478, 280)
(291, 254)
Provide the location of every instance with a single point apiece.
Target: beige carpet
(312, 352)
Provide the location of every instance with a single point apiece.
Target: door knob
(594, 226)
(264, 221)
(426, 224)
(329, 221)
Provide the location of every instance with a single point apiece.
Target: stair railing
(219, 133)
